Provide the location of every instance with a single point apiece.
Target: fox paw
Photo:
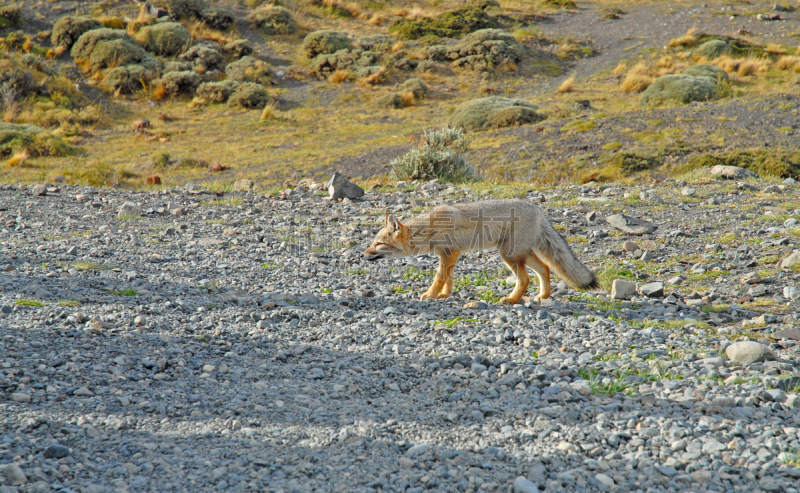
(539, 297)
(506, 299)
(443, 295)
(425, 296)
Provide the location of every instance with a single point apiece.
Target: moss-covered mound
(67, 30)
(493, 112)
(217, 92)
(239, 48)
(680, 88)
(273, 21)
(416, 87)
(204, 59)
(103, 48)
(486, 49)
(182, 9)
(165, 39)
(712, 49)
(702, 70)
(217, 18)
(324, 43)
(391, 100)
(344, 60)
(177, 83)
(10, 16)
(452, 24)
(784, 163)
(35, 140)
(128, 78)
(249, 69)
(248, 95)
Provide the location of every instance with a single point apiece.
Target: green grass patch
(416, 273)
(579, 126)
(69, 303)
(88, 266)
(26, 302)
(122, 292)
(453, 321)
(607, 276)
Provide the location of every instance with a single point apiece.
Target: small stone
(15, 475)
(790, 223)
(688, 192)
(417, 450)
(209, 368)
(83, 392)
(604, 480)
(630, 246)
(622, 290)
(39, 190)
(139, 320)
(129, 209)
(56, 451)
(748, 352)
(751, 278)
(522, 485)
(567, 447)
(773, 189)
(243, 185)
(790, 261)
(732, 172)
(20, 397)
(630, 225)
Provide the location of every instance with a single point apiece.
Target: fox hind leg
(517, 266)
(543, 272)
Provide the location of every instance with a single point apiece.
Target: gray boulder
(748, 352)
(340, 187)
(732, 172)
(680, 88)
(631, 225)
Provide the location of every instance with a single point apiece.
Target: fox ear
(392, 223)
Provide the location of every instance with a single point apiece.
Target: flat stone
(630, 225)
(630, 246)
(522, 485)
(20, 397)
(748, 352)
(732, 172)
(751, 278)
(790, 261)
(653, 289)
(605, 480)
(83, 392)
(417, 450)
(791, 334)
(622, 290)
(56, 451)
(129, 209)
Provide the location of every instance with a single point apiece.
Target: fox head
(391, 241)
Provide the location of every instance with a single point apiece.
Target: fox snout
(372, 254)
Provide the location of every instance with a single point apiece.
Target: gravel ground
(237, 342)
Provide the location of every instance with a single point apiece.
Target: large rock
(712, 49)
(67, 30)
(493, 112)
(790, 261)
(653, 289)
(748, 352)
(622, 290)
(732, 172)
(680, 88)
(165, 39)
(631, 225)
(340, 187)
(129, 209)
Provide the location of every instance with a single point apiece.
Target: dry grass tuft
(408, 98)
(340, 76)
(775, 49)
(621, 68)
(270, 112)
(787, 62)
(688, 39)
(376, 20)
(665, 62)
(375, 78)
(18, 158)
(742, 67)
(567, 86)
(158, 92)
(639, 78)
(398, 46)
(200, 31)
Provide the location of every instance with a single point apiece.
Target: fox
(519, 230)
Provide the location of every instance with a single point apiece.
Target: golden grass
(621, 68)
(787, 62)
(775, 49)
(567, 86)
(408, 98)
(742, 67)
(375, 78)
(200, 31)
(398, 46)
(639, 78)
(340, 76)
(112, 22)
(18, 158)
(688, 39)
(269, 112)
(376, 20)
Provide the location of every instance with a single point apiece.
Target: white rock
(20, 397)
(522, 485)
(747, 352)
(623, 290)
(732, 172)
(605, 480)
(129, 209)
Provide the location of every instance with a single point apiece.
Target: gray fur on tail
(554, 251)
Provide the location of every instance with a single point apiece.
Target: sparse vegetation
(440, 156)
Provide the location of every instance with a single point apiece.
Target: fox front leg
(442, 286)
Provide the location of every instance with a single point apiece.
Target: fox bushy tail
(554, 251)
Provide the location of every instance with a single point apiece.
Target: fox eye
(379, 243)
